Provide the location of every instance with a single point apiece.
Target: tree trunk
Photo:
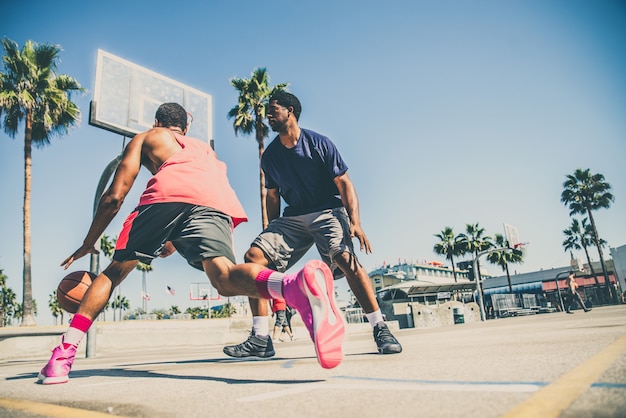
(508, 277)
(28, 319)
(597, 238)
(453, 268)
(263, 191)
(593, 273)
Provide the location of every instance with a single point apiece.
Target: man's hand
(167, 250)
(82, 251)
(356, 231)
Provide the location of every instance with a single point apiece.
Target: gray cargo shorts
(287, 239)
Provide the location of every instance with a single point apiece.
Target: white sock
(260, 326)
(275, 285)
(73, 336)
(375, 317)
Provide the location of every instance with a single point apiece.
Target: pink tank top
(194, 175)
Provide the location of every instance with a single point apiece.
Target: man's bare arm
(272, 204)
(351, 203)
(112, 199)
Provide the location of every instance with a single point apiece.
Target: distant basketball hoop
(203, 291)
(512, 237)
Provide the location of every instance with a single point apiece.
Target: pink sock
(78, 328)
(269, 283)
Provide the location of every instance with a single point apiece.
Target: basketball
(72, 289)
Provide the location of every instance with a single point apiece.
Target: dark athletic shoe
(254, 346)
(387, 343)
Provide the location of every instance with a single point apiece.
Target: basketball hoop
(202, 291)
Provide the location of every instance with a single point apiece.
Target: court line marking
(552, 400)
(51, 410)
(397, 385)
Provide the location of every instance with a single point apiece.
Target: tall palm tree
(579, 236)
(474, 241)
(503, 258)
(144, 268)
(584, 193)
(447, 246)
(31, 92)
(249, 115)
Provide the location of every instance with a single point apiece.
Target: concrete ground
(548, 365)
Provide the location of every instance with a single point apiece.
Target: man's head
(171, 115)
(287, 100)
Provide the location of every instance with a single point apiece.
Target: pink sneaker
(58, 368)
(312, 293)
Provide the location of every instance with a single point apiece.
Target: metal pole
(94, 265)
(478, 277)
(558, 289)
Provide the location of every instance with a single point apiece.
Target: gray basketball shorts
(197, 232)
(281, 319)
(287, 239)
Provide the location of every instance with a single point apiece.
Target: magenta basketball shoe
(58, 368)
(311, 291)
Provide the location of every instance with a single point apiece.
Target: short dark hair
(287, 99)
(172, 114)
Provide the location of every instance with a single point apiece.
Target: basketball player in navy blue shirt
(306, 170)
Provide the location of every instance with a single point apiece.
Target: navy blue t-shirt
(304, 174)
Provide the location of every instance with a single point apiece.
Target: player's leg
(569, 302)
(95, 299)
(332, 237)
(206, 243)
(310, 291)
(279, 246)
(582, 304)
(145, 232)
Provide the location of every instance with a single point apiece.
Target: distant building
(431, 284)
(619, 260)
(429, 281)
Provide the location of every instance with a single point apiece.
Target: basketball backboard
(203, 291)
(512, 237)
(126, 97)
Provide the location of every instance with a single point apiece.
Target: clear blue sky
(447, 113)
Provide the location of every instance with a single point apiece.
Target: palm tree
(120, 302)
(32, 93)
(55, 308)
(503, 258)
(447, 246)
(107, 245)
(584, 192)
(580, 236)
(474, 241)
(7, 301)
(249, 113)
(19, 310)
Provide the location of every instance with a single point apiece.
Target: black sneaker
(254, 346)
(387, 343)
